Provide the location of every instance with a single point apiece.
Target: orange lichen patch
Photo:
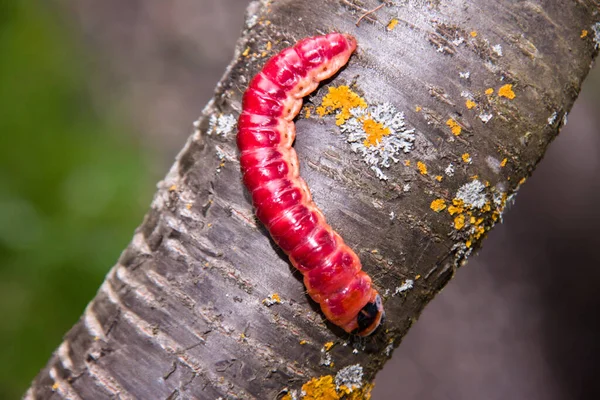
(417, 277)
(506, 91)
(438, 205)
(522, 181)
(466, 158)
(55, 386)
(439, 178)
(407, 163)
(362, 394)
(188, 206)
(473, 33)
(340, 99)
(246, 52)
(503, 163)
(324, 388)
(327, 346)
(489, 91)
(456, 207)
(272, 299)
(454, 127)
(392, 24)
(459, 222)
(584, 33)
(321, 388)
(418, 108)
(172, 188)
(303, 342)
(269, 46)
(287, 396)
(375, 132)
(470, 104)
(422, 168)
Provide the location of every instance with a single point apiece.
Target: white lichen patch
(406, 286)
(497, 49)
(465, 74)
(493, 163)
(379, 133)
(458, 41)
(389, 348)
(222, 124)
(552, 118)
(596, 29)
(273, 299)
(350, 377)
(406, 187)
(449, 171)
(466, 94)
(485, 117)
(326, 358)
(565, 119)
(472, 194)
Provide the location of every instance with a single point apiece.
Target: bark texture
(182, 315)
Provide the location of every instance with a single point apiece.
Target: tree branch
(182, 314)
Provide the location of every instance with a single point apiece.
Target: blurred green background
(66, 208)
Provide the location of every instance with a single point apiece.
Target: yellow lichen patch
(418, 108)
(407, 163)
(506, 91)
(392, 24)
(459, 222)
(287, 396)
(327, 346)
(454, 127)
(422, 168)
(466, 158)
(340, 99)
(375, 132)
(584, 33)
(417, 277)
(468, 243)
(307, 113)
(489, 91)
(246, 52)
(456, 207)
(321, 388)
(470, 104)
(269, 46)
(522, 181)
(473, 33)
(362, 394)
(303, 342)
(172, 188)
(55, 386)
(438, 205)
(503, 163)
(188, 206)
(439, 178)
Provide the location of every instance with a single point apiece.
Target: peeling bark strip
(332, 271)
(485, 85)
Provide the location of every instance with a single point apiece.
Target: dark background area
(97, 97)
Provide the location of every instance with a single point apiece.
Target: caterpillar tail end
(371, 316)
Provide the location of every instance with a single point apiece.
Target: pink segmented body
(332, 272)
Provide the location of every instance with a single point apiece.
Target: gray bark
(181, 314)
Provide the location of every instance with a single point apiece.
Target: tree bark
(486, 86)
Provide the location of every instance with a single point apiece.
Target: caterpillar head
(370, 316)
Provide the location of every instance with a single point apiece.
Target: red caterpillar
(332, 271)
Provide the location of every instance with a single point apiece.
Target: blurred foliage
(73, 188)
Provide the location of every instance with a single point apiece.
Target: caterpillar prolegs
(332, 272)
